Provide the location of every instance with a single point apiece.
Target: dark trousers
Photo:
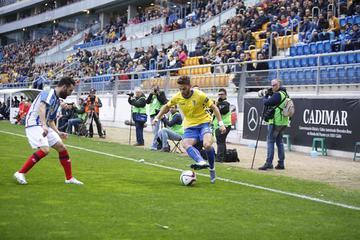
(95, 117)
(139, 132)
(221, 144)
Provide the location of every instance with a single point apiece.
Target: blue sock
(194, 154)
(211, 157)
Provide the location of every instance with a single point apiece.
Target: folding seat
(286, 77)
(342, 22)
(293, 51)
(351, 74)
(341, 73)
(283, 63)
(290, 63)
(325, 60)
(320, 47)
(334, 59)
(350, 19)
(324, 76)
(297, 62)
(304, 62)
(293, 78)
(272, 64)
(357, 74)
(306, 49)
(356, 19)
(358, 57)
(343, 59)
(313, 49)
(327, 46)
(312, 61)
(299, 50)
(301, 77)
(351, 58)
(272, 75)
(332, 76)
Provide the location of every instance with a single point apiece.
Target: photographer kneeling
(138, 102)
(274, 101)
(79, 116)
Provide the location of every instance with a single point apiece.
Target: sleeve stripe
(51, 93)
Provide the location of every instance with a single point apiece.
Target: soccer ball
(187, 178)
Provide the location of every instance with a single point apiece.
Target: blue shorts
(197, 132)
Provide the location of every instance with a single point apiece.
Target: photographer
(79, 116)
(224, 107)
(174, 129)
(92, 105)
(274, 102)
(138, 102)
(156, 100)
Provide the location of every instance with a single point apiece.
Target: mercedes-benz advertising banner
(336, 120)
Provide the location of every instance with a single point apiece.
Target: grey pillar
(132, 11)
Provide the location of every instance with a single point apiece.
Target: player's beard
(63, 94)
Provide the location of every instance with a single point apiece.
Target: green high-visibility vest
(155, 105)
(279, 119)
(226, 118)
(178, 128)
(139, 109)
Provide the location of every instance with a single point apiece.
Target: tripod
(258, 136)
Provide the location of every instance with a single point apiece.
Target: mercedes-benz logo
(252, 119)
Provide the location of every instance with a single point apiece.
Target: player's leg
(56, 143)
(191, 136)
(210, 153)
(39, 142)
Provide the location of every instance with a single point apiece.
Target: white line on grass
(219, 178)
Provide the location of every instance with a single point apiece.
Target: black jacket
(224, 106)
(161, 97)
(177, 119)
(138, 101)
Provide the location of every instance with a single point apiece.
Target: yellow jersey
(193, 108)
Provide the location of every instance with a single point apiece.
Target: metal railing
(314, 71)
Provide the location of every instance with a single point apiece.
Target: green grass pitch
(129, 200)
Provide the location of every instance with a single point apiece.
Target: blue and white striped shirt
(52, 104)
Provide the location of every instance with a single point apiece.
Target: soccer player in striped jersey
(193, 104)
(42, 132)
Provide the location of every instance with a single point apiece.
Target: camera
(92, 99)
(130, 94)
(265, 92)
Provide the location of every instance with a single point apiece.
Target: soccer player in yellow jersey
(193, 104)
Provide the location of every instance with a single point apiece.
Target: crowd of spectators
(226, 43)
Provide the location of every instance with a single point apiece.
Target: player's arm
(42, 117)
(217, 114)
(164, 110)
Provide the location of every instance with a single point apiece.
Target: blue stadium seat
(293, 51)
(313, 49)
(333, 79)
(341, 73)
(343, 59)
(304, 62)
(290, 63)
(334, 59)
(324, 76)
(325, 60)
(357, 74)
(320, 47)
(312, 61)
(358, 57)
(273, 64)
(272, 75)
(351, 74)
(299, 50)
(351, 58)
(327, 46)
(293, 78)
(285, 77)
(283, 63)
(301, 77)
(342, 22)
(357, 19)
(350, 19)
(306, 49)
(297, 62)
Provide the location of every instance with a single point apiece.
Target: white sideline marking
(219, 178)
